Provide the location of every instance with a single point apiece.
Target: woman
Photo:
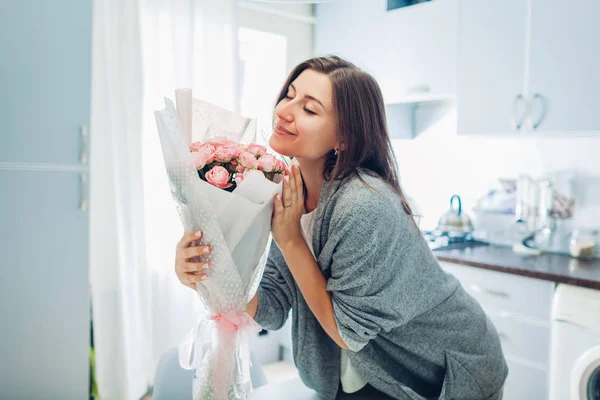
(373, 312)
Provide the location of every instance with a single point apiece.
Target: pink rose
(221, 141)
(219, 177)
(204, 154)
(240, 168)
(267, 163)
(279, 166)
(248, 160)
(257, 150)
(195, 146)
(240, 176)
(226, 153)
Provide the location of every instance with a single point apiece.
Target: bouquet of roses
(225, 163)
(224, 189)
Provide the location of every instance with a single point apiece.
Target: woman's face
(305, 124)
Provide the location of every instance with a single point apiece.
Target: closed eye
(309, 111)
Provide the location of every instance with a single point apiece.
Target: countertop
(551, 267)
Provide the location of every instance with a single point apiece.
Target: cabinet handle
(479, 289)
(542, 100)
(83, 204)
(83, 158)
(517, 123)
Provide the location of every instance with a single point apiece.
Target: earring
(335, 151)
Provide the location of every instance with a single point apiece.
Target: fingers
(298, 180)
(292, 184)
(278, 205)
(189, 238)
(195, 266)
(194, 251)
(286, 195)
(193, 278)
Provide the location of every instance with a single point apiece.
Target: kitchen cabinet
(527, 65)
(410, 51)
(45, 85)
(491, 59)
(519, 308)
(44, 176)
(564, 61)
(44, 291)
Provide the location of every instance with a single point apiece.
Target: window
(262, 71)
(273, 38)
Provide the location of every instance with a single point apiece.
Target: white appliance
(575, 344)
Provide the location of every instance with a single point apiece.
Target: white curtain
(143, 50)
(117, 255)
(185, 44)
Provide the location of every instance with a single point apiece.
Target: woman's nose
(285, 112)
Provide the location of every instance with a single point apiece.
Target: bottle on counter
(583, 243)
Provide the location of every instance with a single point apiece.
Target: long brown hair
(361, 122)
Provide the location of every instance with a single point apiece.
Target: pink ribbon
(227, 328)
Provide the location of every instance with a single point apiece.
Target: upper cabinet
(491, 59)
(528, 65)
(411, 52)
(564, 66)
(49, 88)
(419, 57)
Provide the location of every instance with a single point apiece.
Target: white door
(491, 66)
(585, 376)
(564, 83)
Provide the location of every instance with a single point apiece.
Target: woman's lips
(282, 131)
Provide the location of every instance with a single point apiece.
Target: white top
(351, 379)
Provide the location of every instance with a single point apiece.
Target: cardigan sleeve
(362, 286)
(274, 294)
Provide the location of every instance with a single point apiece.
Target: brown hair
(361, 123)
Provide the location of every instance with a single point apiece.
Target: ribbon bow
(227, 331)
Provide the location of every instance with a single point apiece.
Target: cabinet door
(353, 29)
(45, 48)
(419, 59)
(491, 65)
(44, 290)
(564, 65)
(524, 382)
(399, 47)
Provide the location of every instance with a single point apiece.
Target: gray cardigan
(413, 331)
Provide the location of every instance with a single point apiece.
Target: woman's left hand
(289, 207)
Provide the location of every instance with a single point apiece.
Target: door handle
(83, 158)
(542, 101)
(479, 289)
(516, 122)
(83, 202)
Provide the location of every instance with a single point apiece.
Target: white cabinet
(46, 73)
(45, 51)
(519, 308)
(44, 293)
(564, 83)
(410, 51)
(491, 60)
(528, 65)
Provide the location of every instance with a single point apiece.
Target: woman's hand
(188, 263)
(285, 224)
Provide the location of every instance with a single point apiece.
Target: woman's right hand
(189, 266)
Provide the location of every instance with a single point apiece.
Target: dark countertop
(551, 267)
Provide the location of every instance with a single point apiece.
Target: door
(44, 292)
(585, 376)
(46, 68)
(491, 66)
(564, 64)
